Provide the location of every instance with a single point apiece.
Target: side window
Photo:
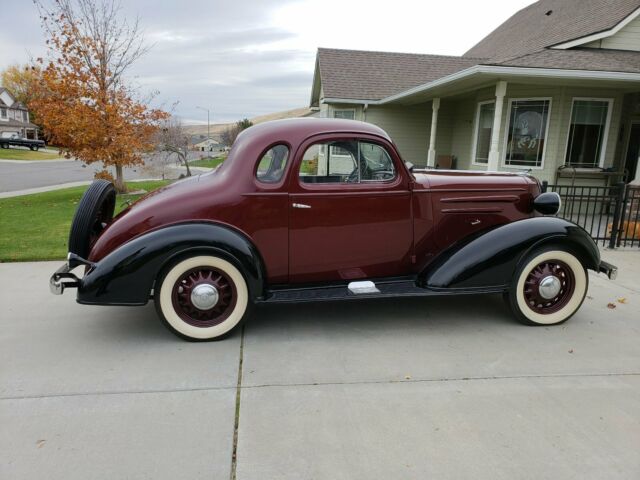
(346, 162)
(272, 165)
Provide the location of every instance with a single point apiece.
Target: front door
(350, 212)
(633, 152)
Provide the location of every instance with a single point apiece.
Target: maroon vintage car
(324, 209)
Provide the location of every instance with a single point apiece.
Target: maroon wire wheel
(549, 286)
(204, 296)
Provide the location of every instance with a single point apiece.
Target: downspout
(364, 112)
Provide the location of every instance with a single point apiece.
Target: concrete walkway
(442, 388)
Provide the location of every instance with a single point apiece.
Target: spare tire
(94, 212)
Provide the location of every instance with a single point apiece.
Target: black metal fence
(610, 214)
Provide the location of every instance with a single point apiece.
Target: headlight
(547, 203)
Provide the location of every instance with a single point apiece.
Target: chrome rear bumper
(609, 270)
(63, 278)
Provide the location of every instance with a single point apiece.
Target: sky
(245, 58)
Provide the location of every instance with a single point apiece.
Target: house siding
(408, 126)
(464, 128)
(628, 38)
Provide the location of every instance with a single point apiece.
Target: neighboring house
(556, 85)
(201, 143)
(14, 117)
(207, 145)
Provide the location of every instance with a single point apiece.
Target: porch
(565, 131)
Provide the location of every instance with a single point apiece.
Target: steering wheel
(382, 175)
(353, 176)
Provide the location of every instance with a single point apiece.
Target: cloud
(250, 57)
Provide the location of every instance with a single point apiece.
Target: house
(206, 145)
(554, 89)
(14, 117)
(201, 143)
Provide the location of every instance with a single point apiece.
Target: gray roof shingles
(531, 29)
(362, 75)
(579, 59)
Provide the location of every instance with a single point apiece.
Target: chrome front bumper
(609, 270)
(63, 278)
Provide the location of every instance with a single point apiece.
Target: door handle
(475, 222)
(300, 205)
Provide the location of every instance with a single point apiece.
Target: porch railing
(610, 214)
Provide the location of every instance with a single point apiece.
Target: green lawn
(26, 154)
(208, 162)
(36, 227)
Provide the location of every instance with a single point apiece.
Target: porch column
(494, 152)
(435, 106)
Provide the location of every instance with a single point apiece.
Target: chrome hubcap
(204, 296)
(549, 287)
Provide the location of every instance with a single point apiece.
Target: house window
(3, 113)
(482, 135)
(348, 113)
(527, 132)
(24, 117)
(588, 132)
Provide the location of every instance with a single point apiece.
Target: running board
(366, 289)
(352, 291)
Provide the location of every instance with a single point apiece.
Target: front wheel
(548, 288)
(202, 298)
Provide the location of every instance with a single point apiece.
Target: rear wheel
(202, 298)
(548, 288)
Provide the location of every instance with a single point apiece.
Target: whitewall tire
(548, 288)
(202, 298)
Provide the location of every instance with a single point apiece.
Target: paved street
(442, 388)
(21, 175)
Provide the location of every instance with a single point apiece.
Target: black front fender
(127, 275)
(488, 260)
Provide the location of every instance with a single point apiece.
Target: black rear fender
(127, 275)
(488, 260)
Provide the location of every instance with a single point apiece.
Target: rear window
(272, 165)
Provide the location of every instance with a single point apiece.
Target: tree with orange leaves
(83, 100)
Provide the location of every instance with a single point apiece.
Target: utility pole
(208, 124)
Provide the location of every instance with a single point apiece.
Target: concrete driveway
(442, 388)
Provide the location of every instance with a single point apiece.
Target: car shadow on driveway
(465, 312)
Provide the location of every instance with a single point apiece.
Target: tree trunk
(186, 164)
(120, 186)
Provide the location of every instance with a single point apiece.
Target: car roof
(309, 126)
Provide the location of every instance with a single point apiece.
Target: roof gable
(7, 97)
(551, 22)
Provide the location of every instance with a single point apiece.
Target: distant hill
(218, 128)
